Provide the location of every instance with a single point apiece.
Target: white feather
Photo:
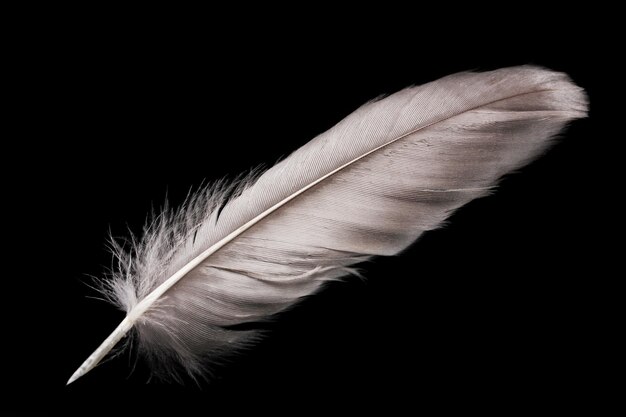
(371, 185)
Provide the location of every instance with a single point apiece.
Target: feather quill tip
(87, 366)
(74, 376)
(94, 359)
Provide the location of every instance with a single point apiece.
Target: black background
(498, 310)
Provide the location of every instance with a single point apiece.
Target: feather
(395, 168)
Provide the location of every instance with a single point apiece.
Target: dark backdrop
(497, 309)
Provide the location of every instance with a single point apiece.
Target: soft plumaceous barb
(241, 252)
